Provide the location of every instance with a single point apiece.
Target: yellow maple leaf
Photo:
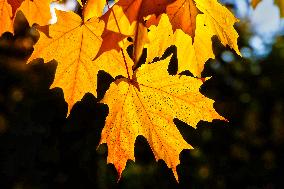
(147, 105)
(191, 55)
(219, 20)
(6, 17)
(74, 44)
(214, 19)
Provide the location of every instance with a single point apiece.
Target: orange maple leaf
(76, 72)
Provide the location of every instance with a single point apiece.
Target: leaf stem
(125, 64)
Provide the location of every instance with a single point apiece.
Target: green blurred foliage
(42, 149)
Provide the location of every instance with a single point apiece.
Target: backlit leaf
(73, 44)
(147, 106)
(219, 20)
(191, 55)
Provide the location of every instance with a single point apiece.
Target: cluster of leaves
(279, 3)
(144, 98)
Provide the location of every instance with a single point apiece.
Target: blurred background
(42, 149)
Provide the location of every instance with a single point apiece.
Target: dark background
(42, 149)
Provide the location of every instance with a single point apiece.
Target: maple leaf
(214, 20)
(184, 14)
(220, 20)
(147, 105)
(74, 44)
(191, 55)
(6, 17)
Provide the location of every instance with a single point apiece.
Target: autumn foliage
(144, 98)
